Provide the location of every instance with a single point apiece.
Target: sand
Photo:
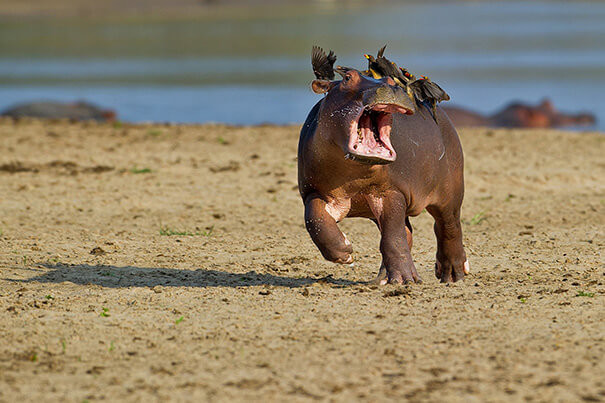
(155, 263)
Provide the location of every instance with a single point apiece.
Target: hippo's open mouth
(370, 137)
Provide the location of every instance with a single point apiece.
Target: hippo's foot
(382, 277)
(451, 270)
(402, 274)
(340, 257)
(338, 252)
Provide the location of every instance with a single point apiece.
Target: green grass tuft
(476, 219)
(167, 231)
(135, 170)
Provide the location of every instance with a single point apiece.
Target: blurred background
(249, 62)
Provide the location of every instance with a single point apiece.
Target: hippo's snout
(393, 96)
(370, 135)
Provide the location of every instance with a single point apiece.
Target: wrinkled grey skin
(426, 174)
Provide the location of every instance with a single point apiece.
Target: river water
(250, 68)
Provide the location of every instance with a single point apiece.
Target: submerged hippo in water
(518, 114)
(58, 110)
(368, 150)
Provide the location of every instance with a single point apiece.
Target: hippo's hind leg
(451, 262)
(382, 277)
(324, 231)
(396, 240)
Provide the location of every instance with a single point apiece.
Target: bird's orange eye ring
(347, 78)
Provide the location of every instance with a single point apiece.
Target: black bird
(428, 91)
(323, 65)
(373, 69)
(408, 76)
(382, 67)
(388, 67)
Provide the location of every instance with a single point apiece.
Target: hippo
(518, 114)
(367, 149)
(57, 110)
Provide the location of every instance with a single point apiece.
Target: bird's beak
(341, 70)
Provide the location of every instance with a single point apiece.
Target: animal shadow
(132, 276)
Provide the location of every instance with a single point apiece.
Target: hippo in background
(78, 111)
(518, 114)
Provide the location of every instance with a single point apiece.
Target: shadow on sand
(131, 276)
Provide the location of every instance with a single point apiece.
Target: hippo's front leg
(325, 233)
(395, 243)
(382, 277)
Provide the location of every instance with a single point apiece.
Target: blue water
(257, 70)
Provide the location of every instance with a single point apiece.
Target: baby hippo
(368, 150)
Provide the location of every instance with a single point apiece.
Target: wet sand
(153, 263)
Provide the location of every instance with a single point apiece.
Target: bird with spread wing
(323, 65)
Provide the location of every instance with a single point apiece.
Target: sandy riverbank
(171, 262)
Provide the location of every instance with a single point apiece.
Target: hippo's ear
(321, 86)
